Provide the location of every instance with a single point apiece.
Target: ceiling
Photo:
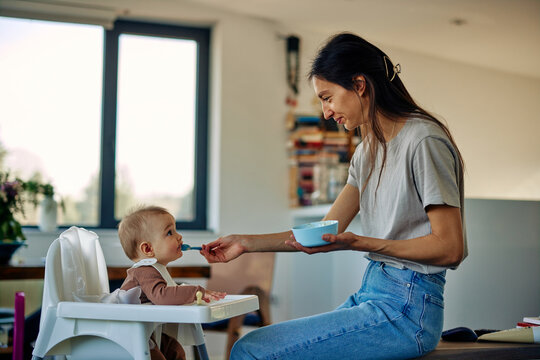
(498, 34)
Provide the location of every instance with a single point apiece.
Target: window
(111, 118)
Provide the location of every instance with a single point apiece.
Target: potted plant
(11, 202)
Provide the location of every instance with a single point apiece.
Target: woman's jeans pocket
(396, 284)
(431, 323)
(397, 276)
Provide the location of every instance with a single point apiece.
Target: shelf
(311, 211)
(319, 154)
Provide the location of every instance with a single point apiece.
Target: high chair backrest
(75, 266)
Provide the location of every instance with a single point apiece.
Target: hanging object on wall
(293, 71)
(293, 63)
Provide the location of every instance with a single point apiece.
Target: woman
(405, 182)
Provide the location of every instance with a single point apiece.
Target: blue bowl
(310, 234)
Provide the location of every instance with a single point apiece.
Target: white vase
(47, 214)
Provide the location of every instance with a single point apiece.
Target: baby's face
(166, 242)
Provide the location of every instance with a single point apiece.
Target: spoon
(189, 247)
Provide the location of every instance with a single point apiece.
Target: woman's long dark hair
(346, 56)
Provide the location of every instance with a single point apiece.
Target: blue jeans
(396, 314)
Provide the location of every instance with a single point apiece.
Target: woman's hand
(224, 249)
(343, 241)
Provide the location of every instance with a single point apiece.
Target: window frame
(109, 113)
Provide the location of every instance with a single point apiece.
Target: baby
(149, 238)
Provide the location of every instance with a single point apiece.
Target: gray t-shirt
(422, 168)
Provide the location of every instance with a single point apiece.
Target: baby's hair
(132, 230)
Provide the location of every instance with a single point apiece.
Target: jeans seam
(300, 347)
(421, 323)
(420, 331)
(369, 270)
(405, 309)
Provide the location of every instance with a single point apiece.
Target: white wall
(250, 151)
(499, 282)
(494, 116)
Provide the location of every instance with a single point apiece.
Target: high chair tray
(232, 305)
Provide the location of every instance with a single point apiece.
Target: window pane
(50, 110)
(155, 138)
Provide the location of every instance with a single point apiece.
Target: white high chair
(75, 269)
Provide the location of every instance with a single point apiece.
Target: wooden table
(449, 350)
(22, 272)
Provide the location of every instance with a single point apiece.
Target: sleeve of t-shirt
(434, 171)
(156, 290)
(352, 179)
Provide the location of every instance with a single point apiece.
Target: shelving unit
(319, 155)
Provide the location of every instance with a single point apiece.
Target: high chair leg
(200, 352)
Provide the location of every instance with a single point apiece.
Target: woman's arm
(443, 247)
(345, 207)
(230, 247)
(227, 248)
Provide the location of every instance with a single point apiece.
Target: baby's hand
(210, 295)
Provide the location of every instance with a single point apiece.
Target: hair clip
(396, 68)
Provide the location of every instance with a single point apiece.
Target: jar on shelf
(323, 174)
(337, 178)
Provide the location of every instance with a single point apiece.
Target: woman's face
(344, 106)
